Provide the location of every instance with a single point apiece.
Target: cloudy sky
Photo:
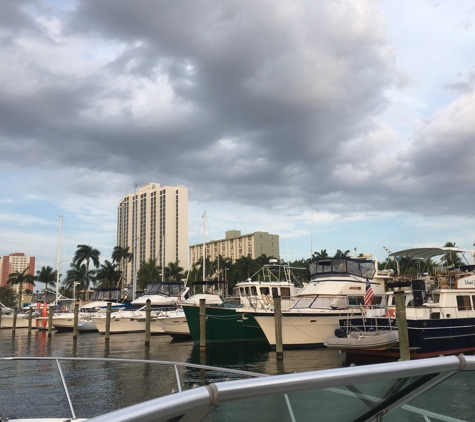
(334, 124)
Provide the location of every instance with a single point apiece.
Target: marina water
(98, 387)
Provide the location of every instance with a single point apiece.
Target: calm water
(102, 387)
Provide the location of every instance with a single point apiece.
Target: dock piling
(76, 320)
(108, 322)
(202, 324)
(30, 318)
(400, 299)
(279, 348)
(50, 321)
(148, 309)
(15, 313)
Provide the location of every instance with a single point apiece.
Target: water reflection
(102, 387)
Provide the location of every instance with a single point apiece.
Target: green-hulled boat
(224, 325)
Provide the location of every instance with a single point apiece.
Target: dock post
(1, 310)
(279, 348)
(400, 299)
(50, 321)
(148, 309)
(202, 324)
(76, 320)
(108, 321)
(15, 312)
(30, 318)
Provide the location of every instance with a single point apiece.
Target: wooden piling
(279, 348)
(400, 299)
(202, 324)
(15, 313)
(148, 309)
(76, 321)
(30, 319)
(108, 322)
(1, 310)
(50, 321)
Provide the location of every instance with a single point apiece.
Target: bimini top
(426, 253)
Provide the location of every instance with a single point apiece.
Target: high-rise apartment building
(16, 262)
(235, 246)
(161, 225)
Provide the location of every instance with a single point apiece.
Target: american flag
(369, 294)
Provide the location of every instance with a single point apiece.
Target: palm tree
(322, 254)
(341, 254)
(108, 275)
(78, 274)
(148, 273)
(20, 277)
(174, 271)
(451, 258)
(46, 275)
(120, 256)
(86, 253)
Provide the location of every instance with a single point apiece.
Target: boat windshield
(112, 295)
(167, 289)
(359, 267)
(321, 302)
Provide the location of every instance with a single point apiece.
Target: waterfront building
(161, 225)
(14, 262)
(235, 246)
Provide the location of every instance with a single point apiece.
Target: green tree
(78, 274)
(451, 258)
(149, 272)
(46, 275)
(7, 296)
(108, 275)
(121, 256)
(340, 254)
(322, 254)
(86, 253)
(20, 278)
(173, 271)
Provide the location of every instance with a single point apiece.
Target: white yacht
(336, 290)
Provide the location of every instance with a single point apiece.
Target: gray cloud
(243, 100)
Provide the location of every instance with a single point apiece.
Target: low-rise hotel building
(235, 246)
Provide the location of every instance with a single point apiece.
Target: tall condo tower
(161, 224)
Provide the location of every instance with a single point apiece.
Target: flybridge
(361, 267)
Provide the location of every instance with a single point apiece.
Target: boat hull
(21, 321)
(224, 325)
(429, 337)
(119, 325)
(300, 329)
(173, 323)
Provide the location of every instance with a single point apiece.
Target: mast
(204, 246)
(134, 243)
(58, 257)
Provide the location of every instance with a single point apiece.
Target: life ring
(63, 308)
(390, 312)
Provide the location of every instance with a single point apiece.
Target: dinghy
(370, 340)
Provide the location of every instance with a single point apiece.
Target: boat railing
(369, 392)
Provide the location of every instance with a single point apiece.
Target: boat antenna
(58, 257)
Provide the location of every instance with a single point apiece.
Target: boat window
(367, 269)
(339, 265)
(303, 302)
(265, 291)
(377, 300)
(275, 292)
(436, 298)
(355, 300)
(285, 291)
(253, 290)
(242, 291)
(463, 303)
(324, 266)
(247, 291)
(329, 302)
(473, 301)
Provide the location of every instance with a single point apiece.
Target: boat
(428, 389)
(233, 321)
(336, 290)
(364, 340)
(439, 306)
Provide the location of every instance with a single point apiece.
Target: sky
(334, 124)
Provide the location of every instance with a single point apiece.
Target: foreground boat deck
(435, 389)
